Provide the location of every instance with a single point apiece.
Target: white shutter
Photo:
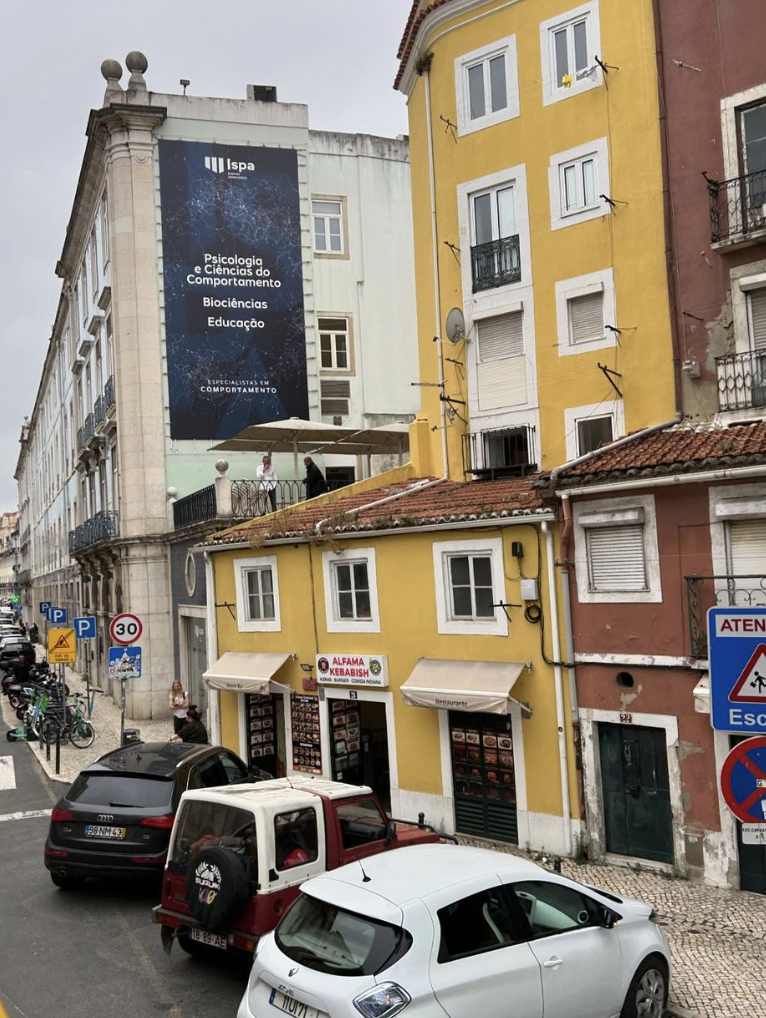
(502, 336)
(756, 303)
(747, 549)
(586, 317)
(334, 395)
(616, 558)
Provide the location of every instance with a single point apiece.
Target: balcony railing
(99, 410)
(741, 380)
(737, 207)
(101, 527)
(505, 452)
(109, 400)
(496, 263)
(195, 508)
(248, 500)
(704, 592)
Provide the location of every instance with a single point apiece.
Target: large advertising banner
(234, 320)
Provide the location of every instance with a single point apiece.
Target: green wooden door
(636, 790)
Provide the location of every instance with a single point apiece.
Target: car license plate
(96, 831)
(291, 1006)
(211, 939)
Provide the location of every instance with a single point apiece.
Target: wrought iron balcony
(103, 526)
(737, 208)
(99, 411)
(496, 264)
(504, 452)
(109, 399)
(248, 500)
(741, 380)
(195, 508)
(704, 592)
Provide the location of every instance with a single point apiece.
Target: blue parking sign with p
(85, 627)
(57, 616)
(44, 606)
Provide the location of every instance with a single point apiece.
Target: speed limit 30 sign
(125, 629)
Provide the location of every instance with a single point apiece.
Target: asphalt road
(94, 952)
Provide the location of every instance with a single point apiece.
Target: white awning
(483, 686)
(240, 672)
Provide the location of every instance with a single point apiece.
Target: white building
(189, 209)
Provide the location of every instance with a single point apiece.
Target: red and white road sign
(125, 629)
(750, 687)
(743, 780)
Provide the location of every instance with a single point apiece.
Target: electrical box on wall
(530, 590)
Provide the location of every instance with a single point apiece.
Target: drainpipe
(212, 649)
(559, 690)
(564, 563)
(437, 286)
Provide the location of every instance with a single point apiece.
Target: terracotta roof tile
(441, 502)
(418, 14)
(682, 447)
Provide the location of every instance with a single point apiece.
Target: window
(495, 252)
(616, 551)
(470, 583)
(586, 317)
(295, 838)
(93, 263)
(477, 924)
(334, 344)
(361, 823)
(257, 587)
(350, 587)
(104, 230)
(202, 823)
(352, 590)
(552, 908)
(585, 306)
(593, 425)
(592, 433)
(569, 46)
(578, 179)
(328, 226)
(486, 86)
(469, 580)
(501, 375)
(334, 397)
(756, 318)
(84, 292)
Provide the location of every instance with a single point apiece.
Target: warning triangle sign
(750, 687)
(63, 642)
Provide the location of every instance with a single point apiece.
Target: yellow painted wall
(407, 601)
(631, 240)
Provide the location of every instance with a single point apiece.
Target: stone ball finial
(136, 62)
(111, 70)
(221, 466)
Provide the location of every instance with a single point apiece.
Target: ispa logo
(232, 167)
(215, 163)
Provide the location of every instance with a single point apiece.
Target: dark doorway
(339, 477)
(752, 858)
(483, 776)
(359, 745)
(636, 790)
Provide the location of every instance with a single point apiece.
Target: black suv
(118, 814)
(10, 650)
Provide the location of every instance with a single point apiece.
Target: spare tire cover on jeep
(217, 886)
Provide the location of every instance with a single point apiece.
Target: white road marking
(29, 814)
(7, 774)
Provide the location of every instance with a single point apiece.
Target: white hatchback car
(458, 932)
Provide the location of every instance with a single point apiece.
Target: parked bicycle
(67, 721)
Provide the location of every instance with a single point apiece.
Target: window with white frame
(469, 580)
(501, 374)
(569, 46)
(756, 318)
(616, 552)
(328, 226)
(257, 594)
(486, 86)
(93, 263)
(104, 230)
(585, 306)
(579, 180)
(351, 596)
(495, 247)
(591, 426)
(84, 292)
(334, 344)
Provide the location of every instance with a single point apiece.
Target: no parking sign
(743, 780)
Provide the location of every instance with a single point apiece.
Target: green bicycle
(71, 723)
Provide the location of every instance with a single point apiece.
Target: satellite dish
(455, 325)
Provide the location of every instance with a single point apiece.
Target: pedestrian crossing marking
(29, 814)
(7, 774)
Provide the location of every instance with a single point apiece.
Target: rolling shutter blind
(756, 301)
(335, 395)
(747, 549)
(502, 367)
(502, 336)
(586, 317)
(616, 558)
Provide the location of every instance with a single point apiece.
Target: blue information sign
(125, 662)
(57, 616)
(737, 656)
(85, 627)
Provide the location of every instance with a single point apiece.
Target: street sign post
(124, 664)
(57, 616)
(125, 629)
(85, 627)
(737, 658)
(743, 781)
(62, 646)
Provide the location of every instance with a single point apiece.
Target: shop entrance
(483, 776)
(359, 745)
(196, 660)
(265, 720)
(636, 790)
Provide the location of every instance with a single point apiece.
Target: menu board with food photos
(482, 758)
(260, 727)
(346, 736)
(307, 750)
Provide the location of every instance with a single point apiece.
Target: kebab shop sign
(352, 670)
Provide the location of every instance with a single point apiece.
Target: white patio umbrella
(292, 435)
(387, 438)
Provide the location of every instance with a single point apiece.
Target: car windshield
(203, 824)
(126, 790)
(329, 939)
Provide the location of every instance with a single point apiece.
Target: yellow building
(537, 190)
(396, 637)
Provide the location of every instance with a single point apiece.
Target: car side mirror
(390, 832)
(607, 919)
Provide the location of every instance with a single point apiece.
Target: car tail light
(164, 823)
(58, 815)
(382, 1001)
(57, 853)
(151, 860)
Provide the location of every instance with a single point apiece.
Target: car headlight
(382, 1001)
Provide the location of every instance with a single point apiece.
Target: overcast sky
(339, 56)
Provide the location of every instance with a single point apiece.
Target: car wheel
(648, 993)
(67, 882)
